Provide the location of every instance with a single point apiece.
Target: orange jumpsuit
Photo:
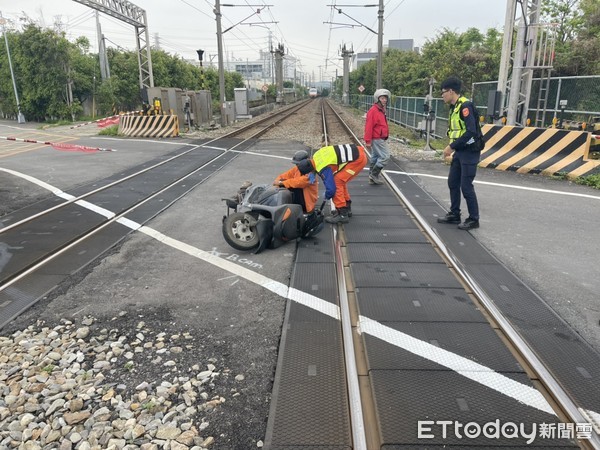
(337, 165)
(293, 179)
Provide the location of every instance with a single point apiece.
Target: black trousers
(460, 179)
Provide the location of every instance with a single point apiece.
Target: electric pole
(20, 116)
(380, 45)
(221, 68)
(346, 83)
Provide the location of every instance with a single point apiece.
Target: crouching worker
(304, 188)
(336, 165)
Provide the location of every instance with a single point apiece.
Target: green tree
(41, 58)
(580, 55)
(567, 16)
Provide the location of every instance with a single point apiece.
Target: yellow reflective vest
(336, 155)
(456, 126)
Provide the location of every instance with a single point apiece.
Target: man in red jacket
(304, 188)
(376, 135)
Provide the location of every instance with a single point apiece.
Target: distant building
(358, 59)
(258, 72)
(402, 44)
(408, 45)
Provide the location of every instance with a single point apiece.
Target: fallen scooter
(264, 217)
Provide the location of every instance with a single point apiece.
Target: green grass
(55, 123)
(591, 180)
(112, 130)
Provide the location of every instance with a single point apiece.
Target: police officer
(465, 148)
(336, 165)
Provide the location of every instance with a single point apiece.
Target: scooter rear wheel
(238, 232)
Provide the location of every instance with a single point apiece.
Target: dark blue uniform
(464, 162)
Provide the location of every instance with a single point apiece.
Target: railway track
(85, 223)
(367, 419)
(76, 218)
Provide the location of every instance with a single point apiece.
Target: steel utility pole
(346, 81)
(380, 46)
(127, 12)
(20, 116)
(221, 69)
(379, 34)
(220, 33)
(528, 45)
(104, 68)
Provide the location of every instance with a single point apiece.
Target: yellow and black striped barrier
(548, 151)
(149, 126)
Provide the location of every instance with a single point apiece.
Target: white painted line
(511, 186)
(36, 181)
(97, 209)
(463, 366)
(128, 223)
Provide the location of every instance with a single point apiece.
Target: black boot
(450, 218)
(349, 207)
(340, 217)
(374, 175)
(469, 224)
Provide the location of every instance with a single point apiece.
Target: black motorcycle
(264, 216)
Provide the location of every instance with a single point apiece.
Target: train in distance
(312, 92)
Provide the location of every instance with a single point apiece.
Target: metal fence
(582, 95)
(408, 112)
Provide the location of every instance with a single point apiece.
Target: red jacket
(294, 179)
(377, 125)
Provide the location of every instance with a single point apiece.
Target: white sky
(186, 25)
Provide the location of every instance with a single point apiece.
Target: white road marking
(510, 186)
(476, 372)
(463, 366)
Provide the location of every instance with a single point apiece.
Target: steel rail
(569, 407)
(562, 398)
(31, 267)
(357, 421)
(356, 410)
(148, 169)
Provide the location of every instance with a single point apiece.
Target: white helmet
(380, 93)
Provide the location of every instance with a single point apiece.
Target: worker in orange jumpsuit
(304, 188)
(336, 165)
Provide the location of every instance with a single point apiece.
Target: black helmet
(299, 156)
(305, 166)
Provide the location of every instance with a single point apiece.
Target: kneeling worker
(304, 188)
(336, 165)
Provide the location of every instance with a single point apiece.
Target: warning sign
(361, 88)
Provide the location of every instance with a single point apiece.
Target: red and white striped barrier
(61, 145)
(109, 121)
(101, 122)
(106, 121)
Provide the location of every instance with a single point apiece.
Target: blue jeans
(462, 173)
(380, 153)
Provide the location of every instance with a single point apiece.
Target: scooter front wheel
(239, 233)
